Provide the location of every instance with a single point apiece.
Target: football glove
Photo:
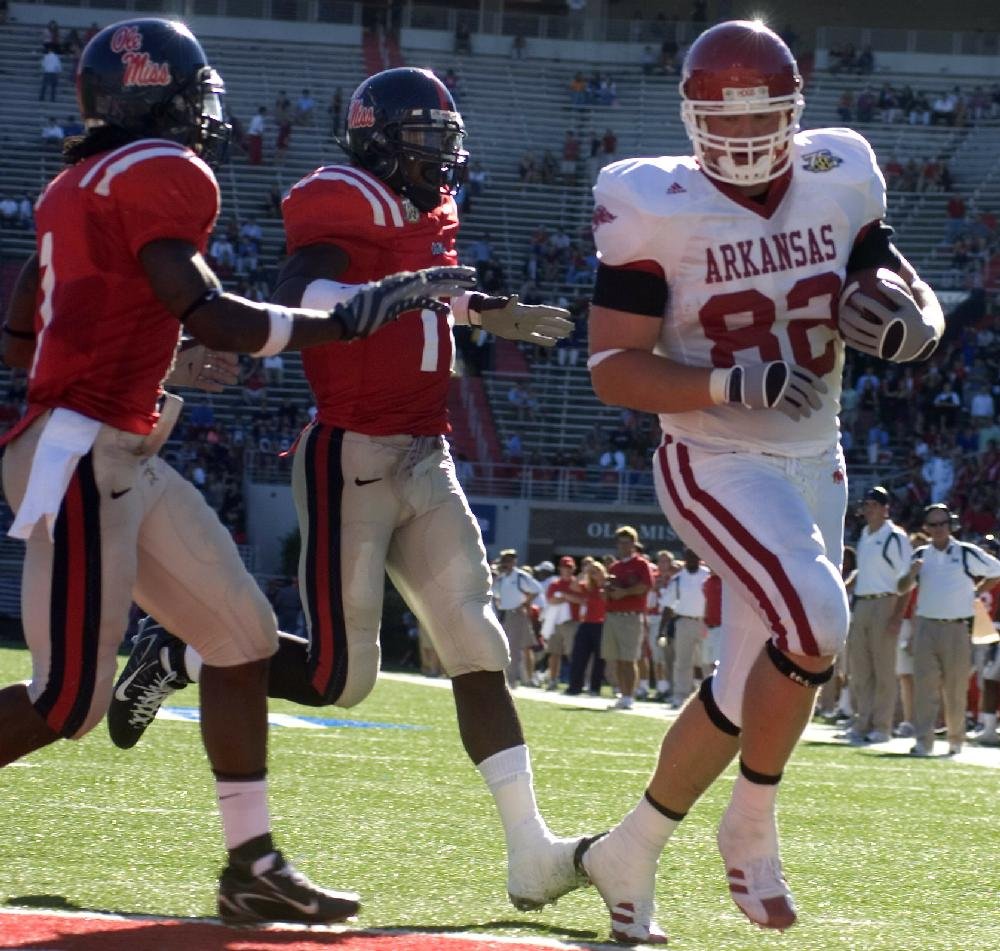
(379, 302)
(778, 385)
(209, 370)
(507, 317)
(894, 331)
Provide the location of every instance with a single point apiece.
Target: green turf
(883, 852)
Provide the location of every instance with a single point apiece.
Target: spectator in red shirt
(564, 598)
(587, 642)
(631, 576)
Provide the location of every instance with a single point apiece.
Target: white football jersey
(747, 282)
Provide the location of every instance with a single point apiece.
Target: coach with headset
(950, 574)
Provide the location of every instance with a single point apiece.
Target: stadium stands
(511, 106)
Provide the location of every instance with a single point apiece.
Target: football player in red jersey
(97, 315)
(373, 479)
(755, 235)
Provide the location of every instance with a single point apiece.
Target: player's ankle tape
(662, 809)
(761, 779)
(795, 673)
(718, 718)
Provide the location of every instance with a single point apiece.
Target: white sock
(645, 827)
(508, 775)
(192, 663)
(989, 723)
(754, 800)
(662, 686)
(243, 809)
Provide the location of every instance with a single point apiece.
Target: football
(871, 283)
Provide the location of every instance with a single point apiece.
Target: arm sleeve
(185, 205)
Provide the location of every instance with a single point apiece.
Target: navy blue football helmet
(404, 128)
(150, 77)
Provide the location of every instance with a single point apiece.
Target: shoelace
(151, 698)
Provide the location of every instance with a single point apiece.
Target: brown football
(869, 282)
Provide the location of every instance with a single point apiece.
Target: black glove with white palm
(879, 315)
(379, 302)
(792, 390)
(507, 317)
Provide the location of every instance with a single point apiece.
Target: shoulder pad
(340, 203)
(160, 190)
(149, 162)
(631, 192)
(843, 152)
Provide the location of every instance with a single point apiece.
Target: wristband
(465, 306)
(279, 332)
(718, 386)
(322, 294)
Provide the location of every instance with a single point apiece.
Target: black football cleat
(154, 670)
(280, 893)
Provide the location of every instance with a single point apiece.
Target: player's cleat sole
(540, 876)
(631, 913)
(148, 678)
(280, 893)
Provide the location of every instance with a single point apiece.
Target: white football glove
(507, 317)
(379, 302)
(897, 333)
(792, 390)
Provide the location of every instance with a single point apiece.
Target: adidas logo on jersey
(675, 189)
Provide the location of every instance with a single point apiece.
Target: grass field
(882, 852)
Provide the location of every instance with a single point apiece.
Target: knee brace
(795, 673)
(718, 718)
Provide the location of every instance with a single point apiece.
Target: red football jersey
(395, 382)
(105, 341)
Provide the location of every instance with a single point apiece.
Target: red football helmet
(736, 68)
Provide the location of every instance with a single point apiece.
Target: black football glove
(379, 302)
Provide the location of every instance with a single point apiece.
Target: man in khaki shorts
(950, 573)
(630, 578)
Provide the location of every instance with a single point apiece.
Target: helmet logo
(126, 39)
(741, 93)
(360, 116)
(139, 69)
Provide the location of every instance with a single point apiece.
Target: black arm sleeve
(633, 290)
(874, 250)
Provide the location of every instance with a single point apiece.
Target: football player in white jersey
(729, 282)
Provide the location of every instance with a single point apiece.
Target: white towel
(66, 438)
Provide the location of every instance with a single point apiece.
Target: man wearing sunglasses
(950, 574)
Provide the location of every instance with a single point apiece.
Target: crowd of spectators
(600, 89)
(890, 104)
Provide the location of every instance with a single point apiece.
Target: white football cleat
(753, 870)
(627, 891)
(540, 874)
